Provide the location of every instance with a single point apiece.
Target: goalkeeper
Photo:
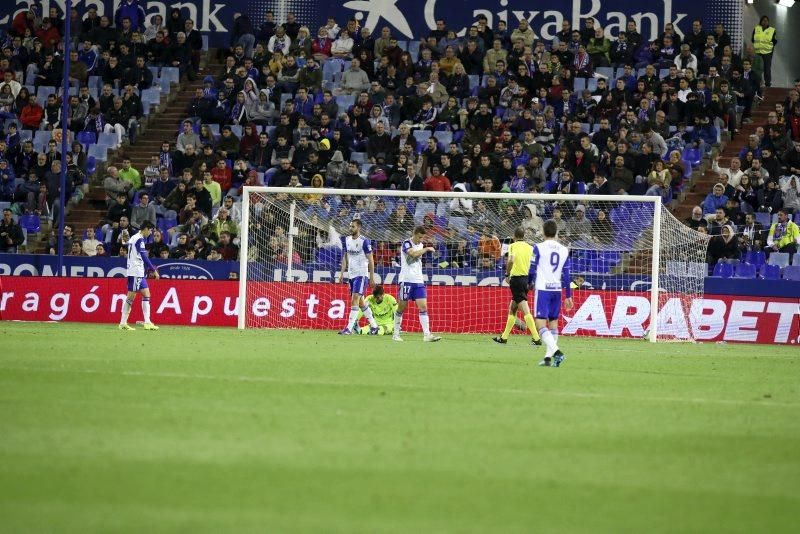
(383, 307)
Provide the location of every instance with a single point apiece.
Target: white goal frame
(547, 197)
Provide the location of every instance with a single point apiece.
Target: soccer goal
(636, 270)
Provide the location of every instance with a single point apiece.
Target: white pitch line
(509, 391)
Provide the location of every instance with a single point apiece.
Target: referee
(518, 265)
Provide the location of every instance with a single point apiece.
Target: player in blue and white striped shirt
(550, 274)
(359, 263)
(137, 281)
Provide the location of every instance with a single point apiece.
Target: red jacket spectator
(321, 46)
(437, 182)
(223, 177)
(21, 21)
(31, 115)
(49, 35)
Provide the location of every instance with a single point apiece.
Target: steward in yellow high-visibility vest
(764, 40)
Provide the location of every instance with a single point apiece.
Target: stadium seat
(676, 268)
(723, 270)
(345, 102)
(796, 258)
(86, 138)
(205, 43)
(474, 80)
(107, 139)
(745, 270)
(781, 259)
(358, 157)
(445, 138)
(95, 82)
(236, 129)
(606, 72)
(770, 272)
(214, 129)
(91, 165)
(31, 223)
(98, 152)
(171, 74)
(45, 90)
(755, 257)
(792, 272)
(25, 135)
(591, 83)
(763, 218)
(579, 84)
(422, 137)
(402, 45)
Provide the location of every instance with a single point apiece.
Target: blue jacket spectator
(133, 11)
(715, 199)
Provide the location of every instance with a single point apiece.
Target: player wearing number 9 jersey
(550, 274)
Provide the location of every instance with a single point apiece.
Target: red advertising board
(324, 306)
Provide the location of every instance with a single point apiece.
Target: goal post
(637, 271)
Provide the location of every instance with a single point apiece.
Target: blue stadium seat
(422, 137)
(474, 80)
(444, 138)
(745, 270)
(792, 272)
(205, 43)
(604, 71)
(770, 272)
(31, 223)
(237, 130)
(796, 258)
(781, 259)
(91, 165)
(171, 74)
(579, 84)
(413, 49)
(98, 152)
(25, 135)
(214, 129)
(358, 157)
(107, 139)
(763, 218)
(86, 138)
(755, 257)
(345, 102)
(402, 45)
(45, 90)
(591, 83)
(723, 270)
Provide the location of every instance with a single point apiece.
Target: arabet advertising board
(711, 318)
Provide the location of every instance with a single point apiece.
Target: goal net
(635, 269)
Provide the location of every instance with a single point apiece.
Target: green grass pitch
(214, 430)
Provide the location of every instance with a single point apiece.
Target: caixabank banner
(414, 19)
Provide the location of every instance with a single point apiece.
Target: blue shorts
(359, 285)
(547, 305)
(411, 291)
(136, 283)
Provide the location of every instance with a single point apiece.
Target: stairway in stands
(163, 125)
(703, 183)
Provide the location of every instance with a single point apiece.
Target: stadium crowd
(498, 110)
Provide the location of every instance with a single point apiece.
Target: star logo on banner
(380, 9)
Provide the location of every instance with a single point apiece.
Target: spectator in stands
(31, 115)
(90, 242)
(696, 219)
(719, 220)
(715, 199)
(724, 246)
(187, 137)
(784, 235)
(226, 248)
(143, 211)
(770, 199)
(130, 175)
(11, 235)
(790, 187)
(354, 79)
(752, 234)
(622, 178)
(242, 34)
(221, 223)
